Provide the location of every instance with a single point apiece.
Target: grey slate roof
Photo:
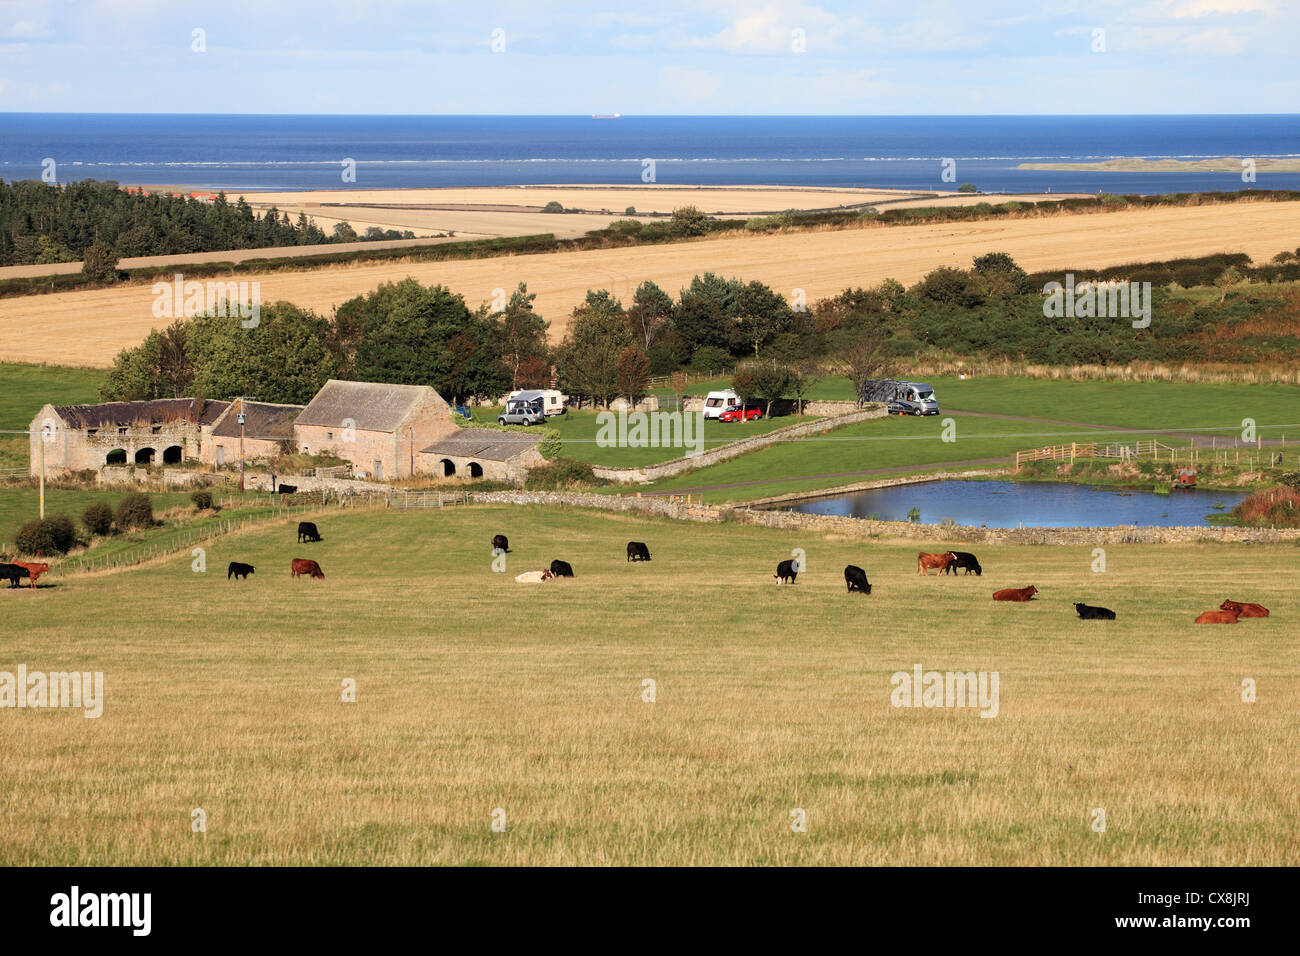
(158, 411)
(485, 443)
(374, 407)
(262, 420)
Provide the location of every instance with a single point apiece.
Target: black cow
(785, 572)
(288, 489)
(637, 551)
(856, 579)
(963, 559)
(238, 570)
(307, 531)
(500, 543)
(14, 572)
(1090, 613)
(561, 569)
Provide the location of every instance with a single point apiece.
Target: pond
(1008, 504)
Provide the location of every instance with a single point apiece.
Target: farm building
(162, 431)
(267, 430)
(482, 453)
(378, 428)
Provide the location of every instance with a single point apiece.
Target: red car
(739, 414)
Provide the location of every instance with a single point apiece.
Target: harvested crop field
(89, 328)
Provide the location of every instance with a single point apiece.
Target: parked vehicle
(521, 412)
(552, 400)
(747, 414)
(716, 404)
(902, 398)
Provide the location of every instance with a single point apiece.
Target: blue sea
(306, 152)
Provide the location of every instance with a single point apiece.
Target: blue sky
(659, 56)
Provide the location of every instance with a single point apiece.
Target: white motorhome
(551, 400)
(715, 403)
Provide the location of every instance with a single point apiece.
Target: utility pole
(241, 445)
(42, 474)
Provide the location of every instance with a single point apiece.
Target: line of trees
(42, 223)
(409, 333)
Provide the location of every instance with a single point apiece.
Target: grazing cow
(307, 532)
(500, 543)
(1244, 610)
(305, 566)
(238, 570)
(925, 563)
(1015, 594)
(963, 560)
(856, 579)
(287, 489)
(786, 572)
(14, 572)
(534, 577)
(637, 551)
(1218, 617)
(1089, 613)
(561, 569)
(34, 571)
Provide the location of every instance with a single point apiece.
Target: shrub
(53, 535)
(710, 358)
(134, 511)
(560, 474)
(98, 518)
(630, 211)
(553, 206)
(202, 500)
(967, 188)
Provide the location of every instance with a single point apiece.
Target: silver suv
(522, 413)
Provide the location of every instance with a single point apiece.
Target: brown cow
(1244, 610)
(1218, 617)
(1015, 594)
(34, 571)
(925, 563)
(306, 566)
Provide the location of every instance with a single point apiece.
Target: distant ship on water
(605, 115)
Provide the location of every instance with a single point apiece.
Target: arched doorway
(172, 455)
(144, 456)
(475, 470)
(448, 468)
(116, 457)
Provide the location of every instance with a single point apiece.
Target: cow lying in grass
(1218, 617)
(1244, 610)
(1015, 594)
(534, 577)
(1089, 613)
(561, 569)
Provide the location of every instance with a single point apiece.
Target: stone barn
(482, 453)
(162, 431)
(378, 428)
(268, 431)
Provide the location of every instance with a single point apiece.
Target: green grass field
(474, 693)
(579, 431)
(915, 444)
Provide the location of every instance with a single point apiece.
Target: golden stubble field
(476, 695)
(89, 328)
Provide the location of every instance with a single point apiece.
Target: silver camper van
(902, 398)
